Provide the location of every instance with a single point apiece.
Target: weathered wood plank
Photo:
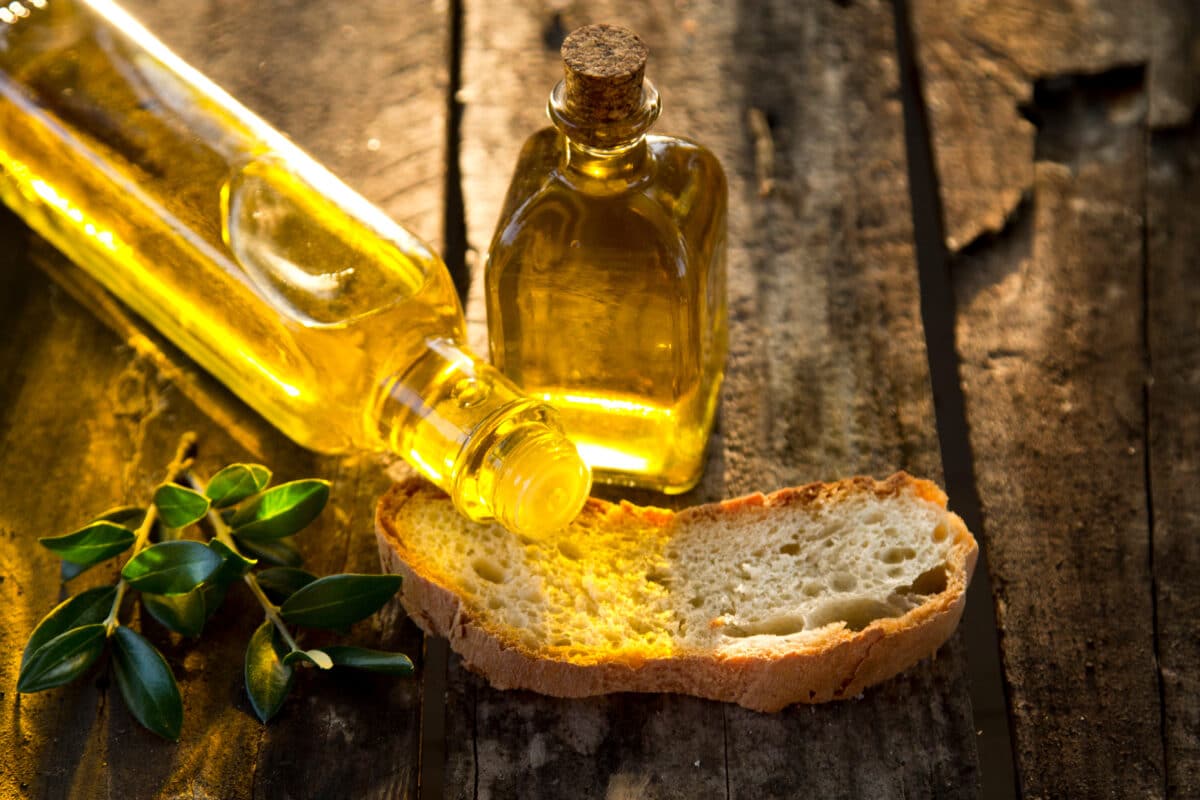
(1051, 340)
(96, 419)
(1173, 308)
(979, 62)
(979, 66)
(827, 376)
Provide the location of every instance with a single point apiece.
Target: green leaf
(182, 613)
(237, 482)
(147, 684)
(282, 511)
(233, 564)
(91, 544)
(278, 551)
(268, 679)
(86, 608)
(317, 658)
(179, 506)
(62, 659)
(372, 660)
(336, 601)
(49, 660)
(280, 583)
(171, 567)
(130, 517)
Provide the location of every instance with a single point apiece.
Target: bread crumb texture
(627, 584)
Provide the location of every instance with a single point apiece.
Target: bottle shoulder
(557, 225)
(687, 160)
(674, 162)
(676, 210)
(681, 175)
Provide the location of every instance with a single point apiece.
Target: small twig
(182, 461)
(225, 537)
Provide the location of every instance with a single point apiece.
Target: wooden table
(963, 242)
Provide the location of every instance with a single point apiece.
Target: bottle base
(630, 441)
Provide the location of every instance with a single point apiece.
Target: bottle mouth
(604, 134)
(541, 485)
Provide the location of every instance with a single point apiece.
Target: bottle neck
(624, 164)
(496, 452)
(604, 149)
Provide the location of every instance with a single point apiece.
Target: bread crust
(753, 674)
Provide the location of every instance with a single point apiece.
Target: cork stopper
(604, 66)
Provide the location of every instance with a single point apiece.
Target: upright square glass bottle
(605, 280)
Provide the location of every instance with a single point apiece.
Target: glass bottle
(605, 280)
(333, 322)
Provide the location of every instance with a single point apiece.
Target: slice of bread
(805, 595)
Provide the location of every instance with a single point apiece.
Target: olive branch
(244, 528)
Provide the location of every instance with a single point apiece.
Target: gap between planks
(989, 701)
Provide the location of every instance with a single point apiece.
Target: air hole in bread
(696, 602)
(856, 612)
(570, 549)
(783, 625)
(790, 549)
(489, 570)
(813, 589)
(931, 581)
(895, 555)
(844, 582)
(940, 533)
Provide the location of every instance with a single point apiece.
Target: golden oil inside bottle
(334, 323)
(606, 288)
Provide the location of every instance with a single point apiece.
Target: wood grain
(1173, 308)
(1051, 339)
(827, 377)
(93, 402)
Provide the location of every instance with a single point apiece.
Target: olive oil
(606, 277)
(333, 322)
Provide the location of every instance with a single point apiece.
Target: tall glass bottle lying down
(336, 324)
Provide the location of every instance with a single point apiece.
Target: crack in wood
(1174, 346)
(990, 693)
(725, 749)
